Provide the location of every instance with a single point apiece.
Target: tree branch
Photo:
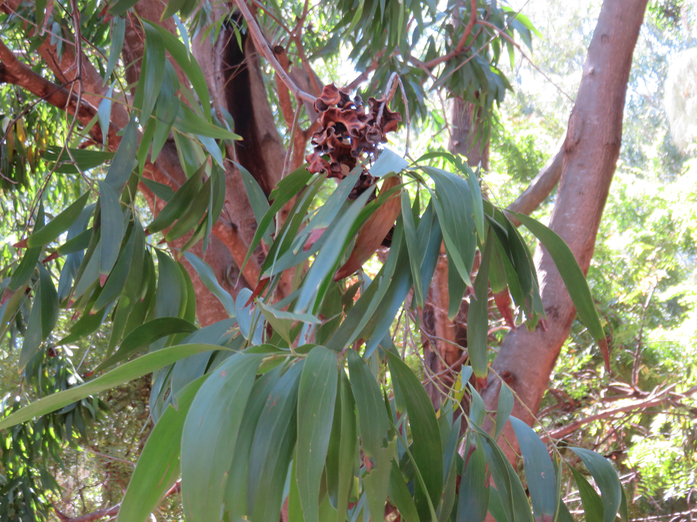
(633, 406)
(15, 72)
(539, 188)
(460, 47)
(263, 47)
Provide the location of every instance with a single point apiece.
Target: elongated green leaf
(146, 334)
(539, 471)
(117, 279)
(112, 229)
(343, 443)
(104, 114)
(316, 398)
(400, 495)
(124, 373)
(124, 160)
(153, 71)
(456, 216)
(118, 31)
(329, 255)
(387, 163)
(570, 272)
(166, 110)
(415, 253)
(478, 319)
(272, 449)
(606, 479)
(208, 278)
(473, 502)
(477, 204)
(33, 335)
(190, 67)
(235, 498)
(188, 121)
(286, 190)
(25, 268)
(58, 225)
(504, 409)
(172, 7)
(257, 199)
(592, 503)
(158, 465)
(181, 200)
(372, 416)
(162, 191)
(210, 433)
(427, 448)
(49, 302)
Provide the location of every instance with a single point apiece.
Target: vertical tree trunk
(591, 150)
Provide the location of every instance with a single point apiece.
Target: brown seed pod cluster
(348, 133)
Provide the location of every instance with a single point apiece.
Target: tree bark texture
(591, 149)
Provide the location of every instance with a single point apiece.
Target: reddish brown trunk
(591, 150)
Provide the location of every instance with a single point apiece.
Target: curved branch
(539, 188)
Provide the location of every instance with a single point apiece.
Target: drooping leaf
(123, 162)
(473, 501)
(210, 433)
(158, 464)
(539, 471)
(144, 335)
(478, 318)
(504, 409)
(54, 228)
(207, 276)
(272, 448)
(427, 448)
(124, 373)
(181, 200)
(606, 479)
(316, 398)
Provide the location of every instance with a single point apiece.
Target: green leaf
(286, 190)
(123, 162)
(152, 72)
(473, 502)
(592, 503)
(539, 471)
(33, 335)
(570, 273)
(49, 302)
(453, 204)
(504, 409)
(171, 8)
(257, 199)
(191, 68)
(415, 253)
(181, 200)
(117, 279)
(235, 498)
(427, 447)
(124, 373)
(400, 495)
(316, 398)
(50, 232)
(372, 417)
(121, 6)
(104, 114)
(388, 163)
(162, 191)
(329, 255)
(112, 229)
(343, 444)
(166, 110)
(205, 273)
(272, 449)
(210, 433)
(193, 214)
(189, 122)
(158, 465)
(477, 204)
(605, 478)
(478, 319)
(118, 31)
(25, 269)
(146, 334)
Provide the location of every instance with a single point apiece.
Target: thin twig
(263, 47)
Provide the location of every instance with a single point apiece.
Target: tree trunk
(591, 150)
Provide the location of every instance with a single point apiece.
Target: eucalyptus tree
(199, 237)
